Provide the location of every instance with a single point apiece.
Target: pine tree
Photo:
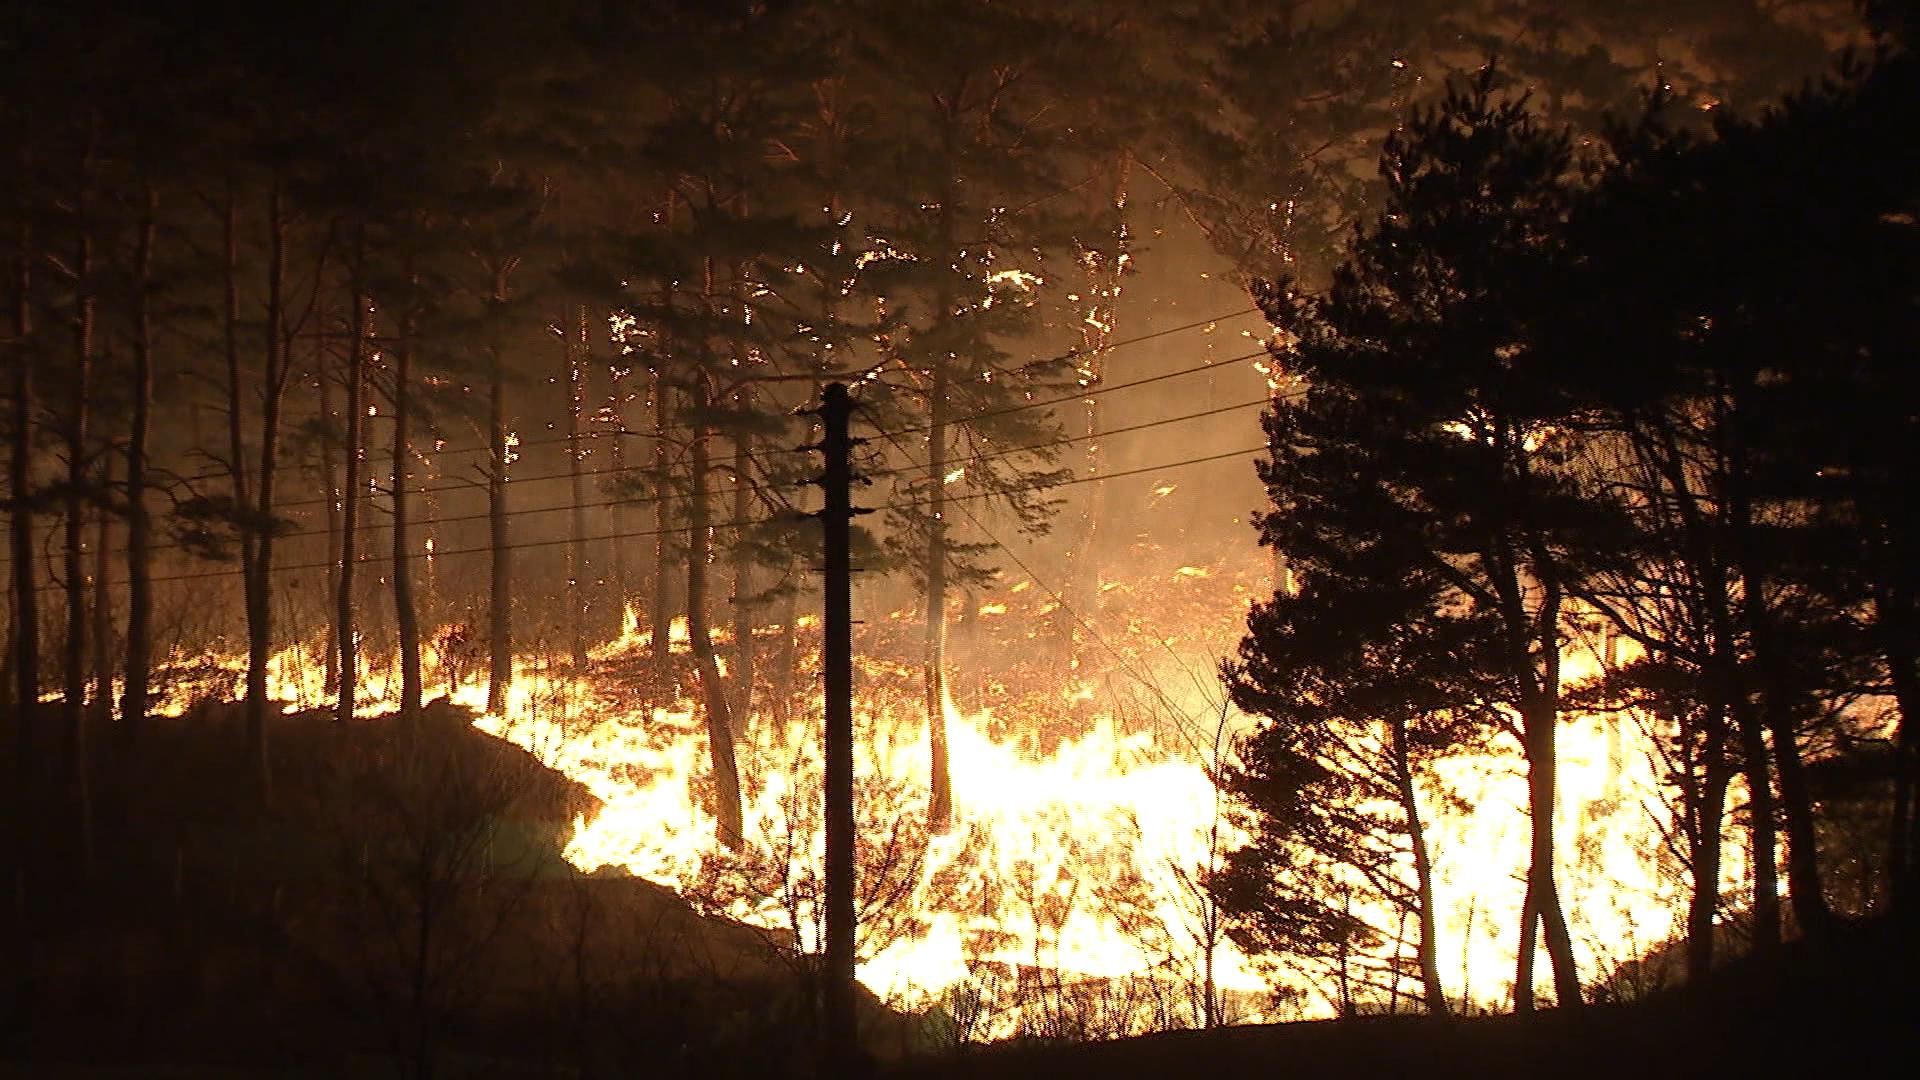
(711, 319)
(1763, 431)
(960, 245)
(1424, 385)
(1361, 680)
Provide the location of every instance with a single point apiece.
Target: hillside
(400, 894)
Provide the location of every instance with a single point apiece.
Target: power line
(645, 533)
(1056, 359)
(1096, 391)
(1090, 437)
(647, 500)
(1080, 480)
(891, 436)
(464, 485)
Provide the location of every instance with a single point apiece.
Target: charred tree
(406, 616)
(100, 701)
(960, 281)
(1105, 266)
(22, 495)
(573, 362)
(77, 497)
(743, 600)
(726, 769)
(499, 547)
(613, 415)
(346, 635)
(1780, 710)
(659, 615)
(331, 445)
(939, 777)
(1539, 736)
(139, 659)
(258, 525)
(1762, 828)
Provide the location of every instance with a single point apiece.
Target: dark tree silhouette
(1429, 426)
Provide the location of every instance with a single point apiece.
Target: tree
(1431, 419)
(959, 243)
(1755, 416)
(1301, 95)
(1361, 679)
(139, 664)
(22, 496)
(713, 321)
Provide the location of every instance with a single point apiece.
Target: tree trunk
(1542, 774)
(500, 603)
(743, 666)
(1894, 622)
(1103, 287)
(660, 619)
(940, 781)
(102, 701)
(237, 414)
(139, 667)
(26, 607)
(1762, 839)
(617, 463)
(406, 619)
(1773, 665)
(99, 711)
(79, 485)
(336, 498)
(726, 771)
(1429, 943)
(345, 634)
(102, 635)
(1805, 892)
(1704, 840)
(260, 582)
(1524, 964)
(940, 797)
(1540, 715)
(578, 569)
(783, 671)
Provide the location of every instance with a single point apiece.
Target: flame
(1081, 834)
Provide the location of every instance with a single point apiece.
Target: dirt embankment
(395, 899)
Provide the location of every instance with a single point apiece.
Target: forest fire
(788, 539)
(1086, 824)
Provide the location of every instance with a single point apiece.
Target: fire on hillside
(1070, 896)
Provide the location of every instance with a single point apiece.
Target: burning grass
(1069, 898)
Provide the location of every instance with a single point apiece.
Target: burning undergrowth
(1069, 896)
(1085, 820)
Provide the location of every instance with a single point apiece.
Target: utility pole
(842, 1037)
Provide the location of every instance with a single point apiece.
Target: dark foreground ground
(1846, 1010)
(399, 908)
(395, 906)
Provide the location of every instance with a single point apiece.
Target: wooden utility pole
(842, 1038)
